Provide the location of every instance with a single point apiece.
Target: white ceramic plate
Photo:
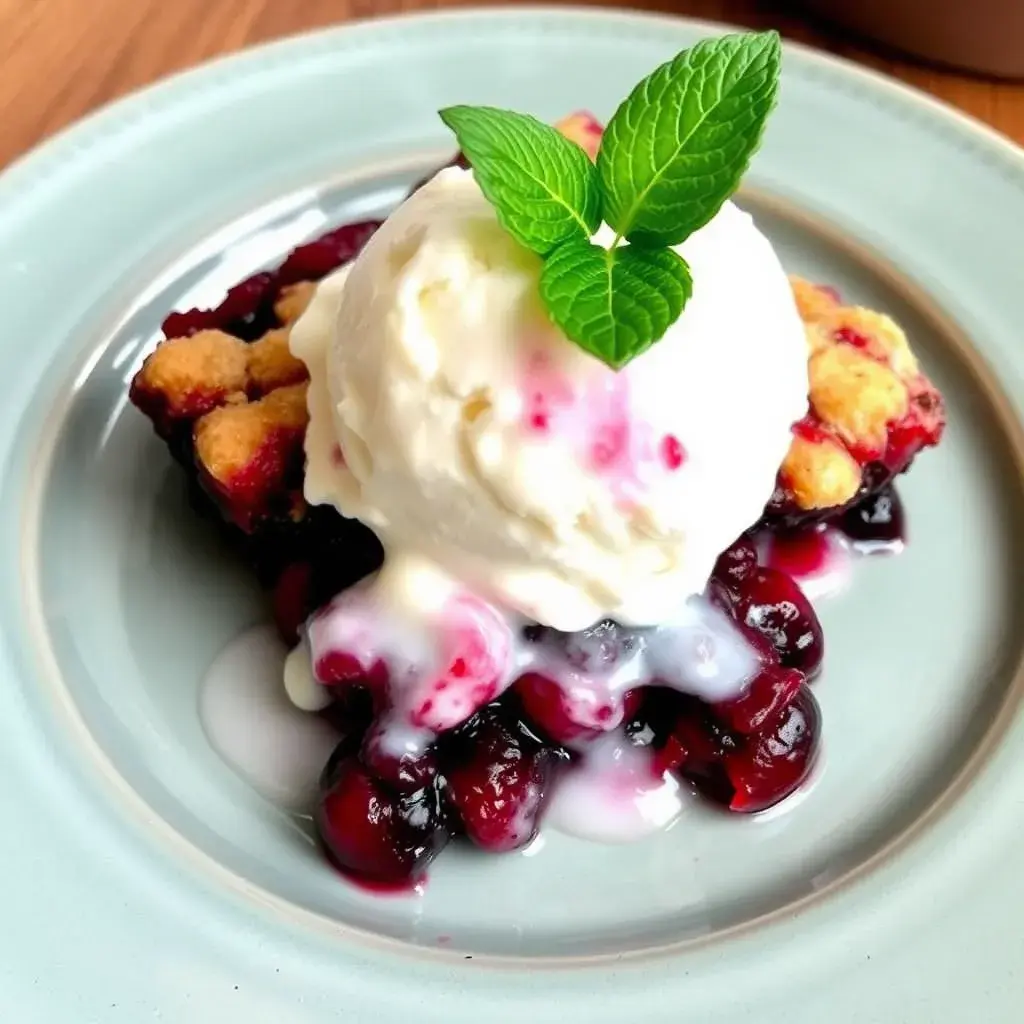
(142, 880)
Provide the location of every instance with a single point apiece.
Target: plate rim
(955, 341)
(97, 122)
(112, 117)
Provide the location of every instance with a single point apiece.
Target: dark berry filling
(878, 520)
(547, 706)
(247, 311)
(497, 777)
(388, 806)
(770, 765)
(373, 833)
(769, 602)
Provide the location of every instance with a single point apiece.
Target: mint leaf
(615, 303)
(677, 147)
(543, 186)
(672, 154)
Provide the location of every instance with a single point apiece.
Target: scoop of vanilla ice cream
(451, 416)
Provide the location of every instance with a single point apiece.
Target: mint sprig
(543, 186)
(620, 300)
(677, 148)
(672, 154)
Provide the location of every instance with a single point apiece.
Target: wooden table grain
(59, 59)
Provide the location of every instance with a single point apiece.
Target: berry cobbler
(526, 583)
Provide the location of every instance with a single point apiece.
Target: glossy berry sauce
(606, 733)
(819, 557)
(481, 725)
(485, 726)
(877, 524)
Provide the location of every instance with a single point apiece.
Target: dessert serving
(534, 471)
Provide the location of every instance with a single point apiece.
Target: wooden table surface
(62, 58)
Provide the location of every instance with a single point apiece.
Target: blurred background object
(980, 35)
(60, 59)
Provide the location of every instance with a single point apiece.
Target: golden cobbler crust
(864, 383)
(870, 406)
